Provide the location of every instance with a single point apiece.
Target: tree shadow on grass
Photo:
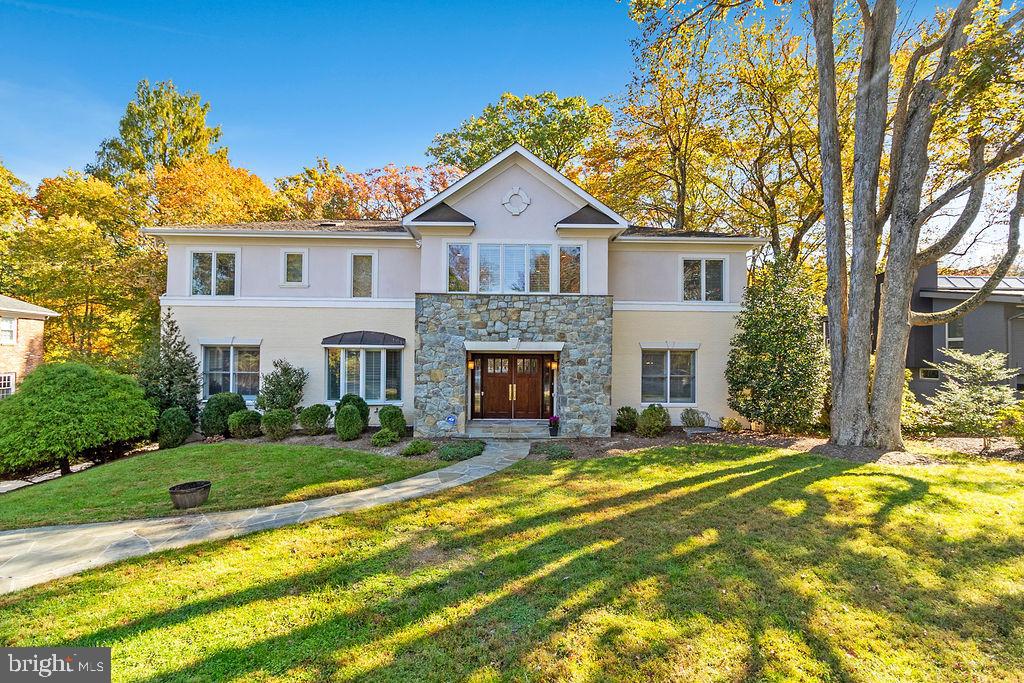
(621, 584)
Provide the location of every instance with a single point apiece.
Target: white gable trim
(467, 180)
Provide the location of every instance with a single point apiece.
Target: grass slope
(701, 563)
(243, 475)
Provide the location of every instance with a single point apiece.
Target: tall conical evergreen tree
(169, 371)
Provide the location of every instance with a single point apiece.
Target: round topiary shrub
(277, 423)
(174, 427)
(625, 419)
(691, 417)
(314, 419)
(213, 420)
(347, 423)
(392, 417)
(384, 437)
(360, 405)
(70, 410)
(244, 424)
(653, 421)
(418, 447)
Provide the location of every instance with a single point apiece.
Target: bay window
(231, 368)
(668, 376)
(373, 374)
(703, 279)
(214, 273)
(515, 268)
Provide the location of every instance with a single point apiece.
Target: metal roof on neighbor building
(363, 338)
(975, 282)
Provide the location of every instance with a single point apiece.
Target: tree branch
(947, 242)
(979, 297)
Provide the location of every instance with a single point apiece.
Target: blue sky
(365, 83)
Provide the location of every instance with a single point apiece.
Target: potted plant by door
(553, 425)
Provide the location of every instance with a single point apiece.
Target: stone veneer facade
(584, 381)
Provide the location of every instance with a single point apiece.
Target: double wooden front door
(512, 386)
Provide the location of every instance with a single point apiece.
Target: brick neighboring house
(21, 340)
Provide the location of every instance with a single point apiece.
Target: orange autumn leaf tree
(210, 190)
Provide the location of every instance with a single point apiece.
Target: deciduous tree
(208, 189)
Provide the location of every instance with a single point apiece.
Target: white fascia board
(513, 345)
(527, 154)
(753, 241)
(289, 234)
(669, 345)
(284, 302)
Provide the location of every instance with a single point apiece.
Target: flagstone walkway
(38, 554)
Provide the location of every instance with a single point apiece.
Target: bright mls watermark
(84, 664)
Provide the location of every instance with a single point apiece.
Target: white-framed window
(8, 330)
(295, 267)
(702, 278)
(515, 267)
(231, 368)
(6, 384)
(668, 376)
(955, 334)
(373, 374)
(214, 272)
(362, 267)
(931, 374)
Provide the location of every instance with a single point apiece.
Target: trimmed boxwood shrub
(653, 421)
(277, 423)
(70, 410)
(213, 420)
(460, 450)
(691, 417)
(347, 423)
(553, 451)
(360, 405)
(174, 427)
(314, 419)
(625, 419)
(244, 424)
(392, 417)
(384, 437)
(418, 447)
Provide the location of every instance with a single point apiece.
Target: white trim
(513, 345)
(676, 306)
(753, 241)
(230, 341)
(554, 265)
(213, 251)
(232, 379)
(936, 378)
(527, 154)
(945, 333)
(285, 302)
(304, 252)
(668, 379)
(343, 372)
(373, 254)
(14, 338)
(587, 226)
(290, 234)
(669, 346)
(703, 258)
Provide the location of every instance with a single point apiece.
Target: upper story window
(231, 368)
(363, 267)
(515, 268)
(8, 330)
(703, 279)
(955, 334)
(214, 273)
(293, 268)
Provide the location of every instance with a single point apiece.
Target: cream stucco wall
(328, 268)
(652, 272)
(294, 333)
(711, 330)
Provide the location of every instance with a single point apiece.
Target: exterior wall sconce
(553, 365)
(471, 364)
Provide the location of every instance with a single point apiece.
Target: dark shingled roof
(588, 215)
(363, 338)
(651, 231)
(442, 213)
(309, 225)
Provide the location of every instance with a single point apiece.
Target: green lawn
(692, 563)
(243, 475)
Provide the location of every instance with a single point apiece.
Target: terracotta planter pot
(189, 494)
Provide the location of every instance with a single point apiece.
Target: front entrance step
(507, 429)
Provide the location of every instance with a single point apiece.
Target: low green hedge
(460, 450)
(245, 424)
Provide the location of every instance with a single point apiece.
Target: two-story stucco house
(21, 340)
(511, 295)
